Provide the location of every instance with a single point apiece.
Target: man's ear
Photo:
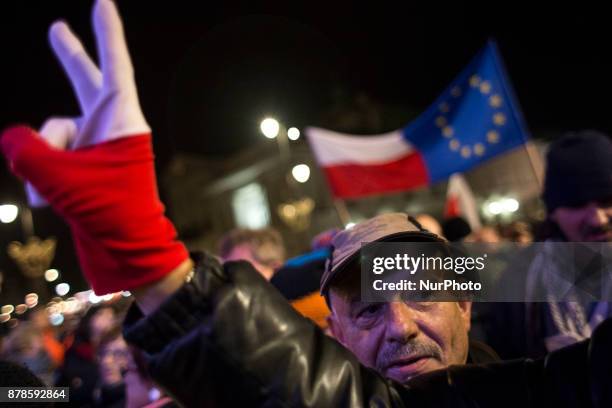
(465, 310)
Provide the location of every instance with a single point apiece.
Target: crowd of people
(398, 340)
(246, 326)
(88, 355)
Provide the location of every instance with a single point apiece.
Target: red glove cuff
(108, 195)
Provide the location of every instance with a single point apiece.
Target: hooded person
(578, 197)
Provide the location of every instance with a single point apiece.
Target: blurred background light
(293, 133)
(7, 309)
(62, 289)
(31, 300)
(270, 127)
(301, 173)
(56, 319)
(8, 213)
(51, 275)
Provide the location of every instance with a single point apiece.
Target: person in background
(517, 231)
(54, 348)
(140, 390)
(263, 248)
(299, 278)
(456, 229)
(485, 235)
(578, 197)
(24, 345)
(80, 369)
(113, 355)
(124, 381)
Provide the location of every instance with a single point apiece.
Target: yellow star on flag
(479, 149)
(474, 81)
(493, 136)
(485, 87)
(448, 131)
(495, 101)
(499, 119)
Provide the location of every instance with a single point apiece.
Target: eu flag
(476, 118)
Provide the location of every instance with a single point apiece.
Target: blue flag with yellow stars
(476, 118)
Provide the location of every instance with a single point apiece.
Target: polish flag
(460, 202)
(357, 166)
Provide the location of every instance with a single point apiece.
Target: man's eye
(370, 310)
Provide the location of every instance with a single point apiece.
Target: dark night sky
(207, 73)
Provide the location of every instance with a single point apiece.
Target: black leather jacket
(228, 338)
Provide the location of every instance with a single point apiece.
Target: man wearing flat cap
(398, 339)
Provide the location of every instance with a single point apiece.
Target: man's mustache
(413, 348)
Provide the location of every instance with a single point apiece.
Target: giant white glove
(97, 170)
(107, 95)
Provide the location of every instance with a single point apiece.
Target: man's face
(113, 360)
(589, 223)
(244, 252)
(402, 339)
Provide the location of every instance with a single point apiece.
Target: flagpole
(512, 100)
(342, 210)
(534, 158)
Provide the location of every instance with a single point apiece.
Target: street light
(270, 128)
(503, 207)
(510, 205)
(495, 207)
(301, 173)
(8, 213)
(293, 133)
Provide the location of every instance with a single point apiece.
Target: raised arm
(228, 338)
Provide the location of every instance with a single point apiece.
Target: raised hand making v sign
(97, 170)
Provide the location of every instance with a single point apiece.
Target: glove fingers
(85, 77)
(112, 49)
(59, 132)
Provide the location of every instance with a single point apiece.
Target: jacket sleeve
(228, 338)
